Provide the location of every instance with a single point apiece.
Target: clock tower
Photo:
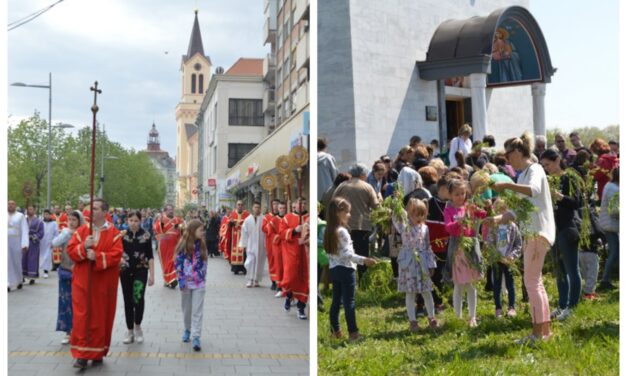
(195, 75)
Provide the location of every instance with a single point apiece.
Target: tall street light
(49, 87)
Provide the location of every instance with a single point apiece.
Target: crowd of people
(459, 204)
(91, 252)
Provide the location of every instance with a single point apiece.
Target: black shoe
(19, 287)
(173, 284)
(80, 363)
(45, 271)
(31, 282)
(287, 305)
(96, 362)
(273, 287)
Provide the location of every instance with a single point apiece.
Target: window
(200, 82)
(237, 152)
(246, 112)
(193, 83)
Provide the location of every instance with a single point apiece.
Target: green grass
(587, 343)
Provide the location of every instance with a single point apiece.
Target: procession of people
(471, 214)
(122, 244)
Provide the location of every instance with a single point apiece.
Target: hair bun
(527, 139)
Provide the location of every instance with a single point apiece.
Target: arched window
(193, 83)
(200, 83)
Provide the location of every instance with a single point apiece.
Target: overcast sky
(122, 44)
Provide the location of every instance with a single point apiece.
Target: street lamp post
(49, 87)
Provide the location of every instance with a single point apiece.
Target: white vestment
(45, 246)
(253, 239)
(18, 239)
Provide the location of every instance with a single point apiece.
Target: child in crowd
(191, 268)
(507, 240)
(416, 261)
(463, 265)
(342, 260)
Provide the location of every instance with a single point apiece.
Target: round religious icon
(299, 155)
(268, 182)
(283, 164)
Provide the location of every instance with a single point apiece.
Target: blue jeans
(566, 254)
(344, 281)
(612, 257)
(498, 270)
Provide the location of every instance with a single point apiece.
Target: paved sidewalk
(245, 332)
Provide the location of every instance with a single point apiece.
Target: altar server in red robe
(168, 232)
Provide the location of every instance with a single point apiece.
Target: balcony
(302, 97)
(302, 10)
(269, 68)
(268, 101)
(302, 51)
(269, 30)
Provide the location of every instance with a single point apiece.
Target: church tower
(195, 75)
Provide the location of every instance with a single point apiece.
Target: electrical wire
(22, 21)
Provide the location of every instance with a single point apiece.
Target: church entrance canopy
(505, 48)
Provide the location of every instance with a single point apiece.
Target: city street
(245, 332)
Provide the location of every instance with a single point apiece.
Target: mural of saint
(505, 57)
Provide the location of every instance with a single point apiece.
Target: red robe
(223, 245)
(168, 235)
(269, 231)
(62, 221)
(94, 305)
(295, 259)
(236, 254)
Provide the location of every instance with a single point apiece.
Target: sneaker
(31, 282)
(511, 312)
(413, 327)
(45, 274)
(301, 314)
(472, 322)
(355, 337)
(80, 363)
(556, 312)
(249, 284)
(65, 340)
(498, 313)
(564, 314)
(186, 335)
(279, 294)
(196, 343)
(139, 336)
(287, 305)
(129, 338)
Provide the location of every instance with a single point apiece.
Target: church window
(193, 83)
(201, 78)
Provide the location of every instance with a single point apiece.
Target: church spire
(195, 41)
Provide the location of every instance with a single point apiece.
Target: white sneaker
(279, 294)
(66, 340)
(46, 275)
(556, 312)
(129, 338)
(139, 336)
(564, 314)
(249, 284)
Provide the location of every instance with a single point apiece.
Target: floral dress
(415, 258)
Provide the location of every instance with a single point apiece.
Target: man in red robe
(223, 243)
(94, 286)
(168, 232)
(236, 254)
(277, 246)
(270, 232)
(295, 283)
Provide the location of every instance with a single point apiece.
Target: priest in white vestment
(18, 244)
(51, 230)
(253, 242)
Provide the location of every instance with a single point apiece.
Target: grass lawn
(587, 343)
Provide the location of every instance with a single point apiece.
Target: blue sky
(122, 44)
(582, 37)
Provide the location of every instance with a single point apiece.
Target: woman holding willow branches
(538, 233)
